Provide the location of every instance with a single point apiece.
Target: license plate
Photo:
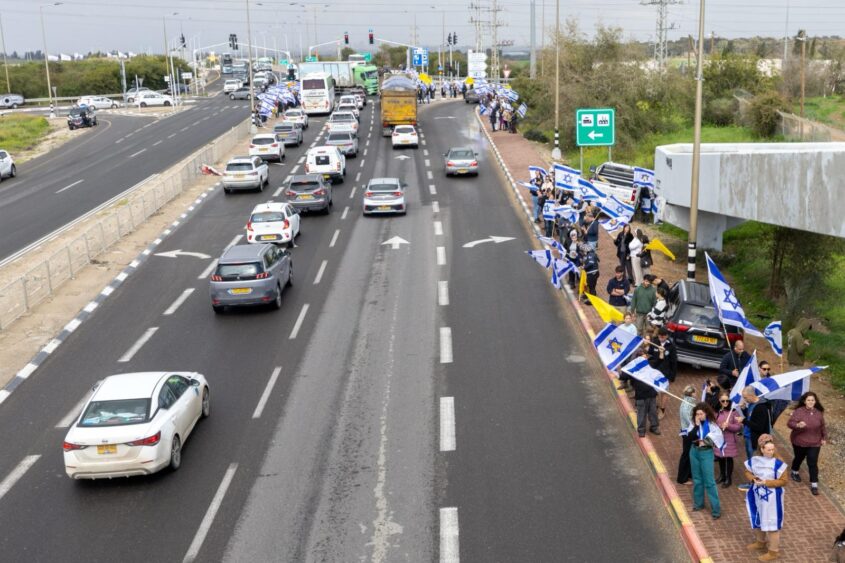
(306, 197)
(704, 339)
(327, 176)
(268, 237)
(240, 291)
(263, 150)
(405, 142)
(463, 170)
(240, 175)
(107, 449)
(384, 208)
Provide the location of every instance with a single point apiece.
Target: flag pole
(725, 331)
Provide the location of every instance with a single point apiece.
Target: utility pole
(5, 66)
(696, 150)
(475, 19)
(543, 39)
(252, 125)
(712, 42)
(533, 67)
(556, 150)
(802, 37)
(785, 39)
(662, 28)
(494, 28)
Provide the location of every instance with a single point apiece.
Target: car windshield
(404, 130)
(263, 141)
(382, 188)
(461, 155)
(78, 111)
(267, 217)
(339, 137)
(239, 167)
(115, 413)
(699, 316)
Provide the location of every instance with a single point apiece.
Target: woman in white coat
(764, 500)
(635, 247)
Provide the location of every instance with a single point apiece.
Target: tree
(345, 52)
(764, 113)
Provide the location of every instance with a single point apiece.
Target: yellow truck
(398, 103)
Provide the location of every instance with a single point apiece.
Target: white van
(326, 161)
(231, 85)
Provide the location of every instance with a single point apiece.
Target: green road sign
(595, 127)
(283, 62)
(368, 56)
(311, 59)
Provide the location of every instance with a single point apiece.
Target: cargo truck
(346, 74)
(398, 103)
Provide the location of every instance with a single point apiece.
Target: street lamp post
(696, 150)
(556, 151)
(252, 126)
(5, 66)
(47, 57)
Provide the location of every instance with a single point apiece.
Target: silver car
(385, 195)
(251, 274)
(288, 133)
(461, 160)
(346, 142)
(310, 192)
(245, 173)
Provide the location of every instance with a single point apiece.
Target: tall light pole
(5, 66)
(168, 64)
(252, 125)
(556, 150)
(802, 37)
(46, 56)
(696, 150)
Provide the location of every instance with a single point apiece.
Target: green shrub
(536, 135)
(720, 111)
(763, 114)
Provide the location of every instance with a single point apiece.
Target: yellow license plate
(240, 175)
(268, 237)
(704, 339)
(263, 150)
(405, 142)
(306, 197)
(463, 170)
(107, 449)
(240, 290)
(384, 208)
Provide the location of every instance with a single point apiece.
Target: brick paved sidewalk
(811, 523)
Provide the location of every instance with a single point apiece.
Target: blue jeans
(749, 447)
(701, 463)
(535, 201)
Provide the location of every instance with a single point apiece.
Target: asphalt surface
(123, 150)
(344, 460)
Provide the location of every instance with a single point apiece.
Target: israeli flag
(567, 213)
(559, 269)
(511, 94)
(566, 178)
(588, 192)
(615, 344)
(618, 210)
(533, 171)
(529, 186)
(725, 300)
(774, 335)
(522, 110)
(611, 225)
(543, 257)
(640, 370)
(553, 243)
(768, 386)
(749, 374)
(266, 107)
(549, 211)
(643, 177)
(483, 109)
(711, 431)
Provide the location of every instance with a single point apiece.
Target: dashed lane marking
(320, 272)
(138, 344)
(447, 424)
(298, 324)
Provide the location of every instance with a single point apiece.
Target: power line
(662, 28)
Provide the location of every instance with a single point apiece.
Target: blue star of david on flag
(614, 345)
(763, 492)
(728, 294)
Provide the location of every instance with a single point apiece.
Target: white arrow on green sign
(595, 127)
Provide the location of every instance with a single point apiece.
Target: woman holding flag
(705, 435)
(764, 499)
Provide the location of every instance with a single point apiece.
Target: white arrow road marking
(178, 252)
(403, 157)
(493, 239)
(395, 242)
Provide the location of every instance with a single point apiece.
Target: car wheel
(71, 127)
(290, 276)
(143, 104)
(175, 453)
(13, 172)
(277, 302)
(218, 309)
(114, 106)
(130, 100)
(14, 106)
(231, 96)
(206, 403)
(166, 103)
(227, 191)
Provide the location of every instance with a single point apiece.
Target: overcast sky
(127, 25)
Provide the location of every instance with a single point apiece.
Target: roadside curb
(676, 508)
(85, 313)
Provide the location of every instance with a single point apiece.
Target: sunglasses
(765, 369)
(724, 401)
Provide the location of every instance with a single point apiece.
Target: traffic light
(182, 39)
(455, 38)
(291, 73)
(371, 37)
(449, 39)
(346, 38)
(233, 41)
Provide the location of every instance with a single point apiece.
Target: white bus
(317, 92)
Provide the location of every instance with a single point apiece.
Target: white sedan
(273, 222)
(135, 424)
(150, 98)
(97, 102)
(405, 136)
(7, 166)
(296, 116)
(267, 146)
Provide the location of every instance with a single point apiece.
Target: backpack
(591, 261)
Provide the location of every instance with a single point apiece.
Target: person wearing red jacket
(808, 435)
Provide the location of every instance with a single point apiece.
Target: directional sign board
(420, 57)
(311, 59)
(595, 127)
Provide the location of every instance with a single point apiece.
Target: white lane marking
(205, 525)
(449, 540)
(278, 192)
(179, 300)
(287, 179)
(138, 344)
(320, 272)
(156, 143)
(334, 238)
(367, 144)
(117, 142)
(197, 122)
(358, 177)
(427, 162)
(432, 189)
(441, 255)
(438, 228)
(134, 154)
(184, 128)
(301, 160)
(423, 142)
(298, 324)
(429, 175)
(445, 345)
(363, 160)
(425, 152)
(447, 424)
(69, 186)
(265, 396)
(294, 169)
(365, 152)
(89, 308)
(352, 192)
(207, 272)
(17, 473)
(171, 135)
(68, 419)
(345, 212)
(435, 207)
(443, 293)
(234, 242)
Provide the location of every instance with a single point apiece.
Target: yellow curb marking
(655, 461)
(681, 511)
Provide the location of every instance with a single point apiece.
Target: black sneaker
(655, 431)
(795, 476)
(815, 491)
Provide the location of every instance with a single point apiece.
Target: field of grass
(829, 110)
(19, 132)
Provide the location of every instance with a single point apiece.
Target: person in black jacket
(758, 418)
(732, 364)
(664, 358)
(645, 399)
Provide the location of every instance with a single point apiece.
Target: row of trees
(90, 76)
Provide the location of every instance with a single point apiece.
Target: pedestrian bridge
(796, 185)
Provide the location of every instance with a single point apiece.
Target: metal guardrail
(55, 265)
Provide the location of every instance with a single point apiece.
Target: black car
(691, 319)
(83, 116)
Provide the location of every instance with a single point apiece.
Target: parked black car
(82, 117)
(691, 319)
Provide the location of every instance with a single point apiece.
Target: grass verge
(20, 132)
(829, 110)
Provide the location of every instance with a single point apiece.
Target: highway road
(123, 150)
(429, 401)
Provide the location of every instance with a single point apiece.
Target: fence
(95, 236)
(795, 128)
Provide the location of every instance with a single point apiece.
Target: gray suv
(310, 192)
(345, 141)
(251, 274)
